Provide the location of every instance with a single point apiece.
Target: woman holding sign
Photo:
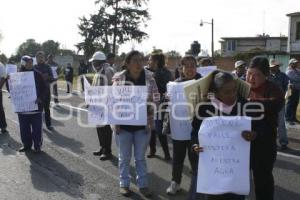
(31, 122)
(264, 148)
(224, 102)
(136, 137)
(182, 143)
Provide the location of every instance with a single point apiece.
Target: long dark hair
(160, 58)
(261, 63)
(130, 55)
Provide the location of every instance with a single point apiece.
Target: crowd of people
(268, 86)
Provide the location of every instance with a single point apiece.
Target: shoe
(125, 191)
(168, 158)
(145, 192)
(151, 155)
(4, 131)
(283, 147)
(50, 128)
(173, 188)
(292, 123)
(98, 153)
(37, 151)
(104, 157)
(24, 149)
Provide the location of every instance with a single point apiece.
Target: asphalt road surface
(66, 169)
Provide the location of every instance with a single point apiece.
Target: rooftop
(253, 38)
(295, 14)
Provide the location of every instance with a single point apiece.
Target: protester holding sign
(162, 76)
(263, 149)
(46, 72)
(225, 102)
(3, 79)
(103, 76)
(180, 147)
(136, 137)
(31, 122)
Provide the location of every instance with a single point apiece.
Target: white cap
(274, 63)
(239, 63)
(293, 61)
(98, 55)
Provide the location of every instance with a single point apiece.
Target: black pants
(263, 156)
(105, 137)
(46, 106)
(291, 106)
(55, 92)
(179, 152)
(3, 124)
(163, 142)
(82, 82)
(69, 85)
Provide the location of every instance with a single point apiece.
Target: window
(231, 45)
(298, 31)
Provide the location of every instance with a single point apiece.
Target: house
(230, 46)
(294, 34)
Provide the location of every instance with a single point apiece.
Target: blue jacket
(281, 79)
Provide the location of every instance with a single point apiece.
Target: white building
(294, 33)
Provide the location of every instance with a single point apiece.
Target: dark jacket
(281, 79)
(68, 73)
(162, 76)
(45, 69)
(41, 87)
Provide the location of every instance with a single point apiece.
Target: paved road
(68, 170)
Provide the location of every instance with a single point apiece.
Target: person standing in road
(55, 70)
(69, 77)
(103, 76)
(3, 79)
(31, 122)
(83, 69)
(264, 148)
(130, 137)
(181, 147)
(162, 76)
(46, 72)
(293, 72)
(281, 79)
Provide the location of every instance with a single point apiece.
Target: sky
(174, 24)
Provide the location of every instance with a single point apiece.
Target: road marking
(69, 106)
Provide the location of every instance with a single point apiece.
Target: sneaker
(4, 131)
(50, 128)
(125, 191)
(145, 192)
(173, 188)
(24, 149)
(284, 147)
(104, 157)
(98, 153)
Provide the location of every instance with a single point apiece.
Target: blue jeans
(282, 134)
(139, 141)
(31, 130)
(291, 106)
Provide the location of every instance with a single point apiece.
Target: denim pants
(291, 106)
(282, 133)
(3, 124)
(31, 130)
(139, 141)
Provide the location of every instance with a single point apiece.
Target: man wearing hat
(281, 79)
(103, 76)
(240, 70)
(293, 72)
(3, 79)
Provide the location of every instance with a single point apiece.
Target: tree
(50, 47)
(116, 22)
(30, 47)
(3, 58)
